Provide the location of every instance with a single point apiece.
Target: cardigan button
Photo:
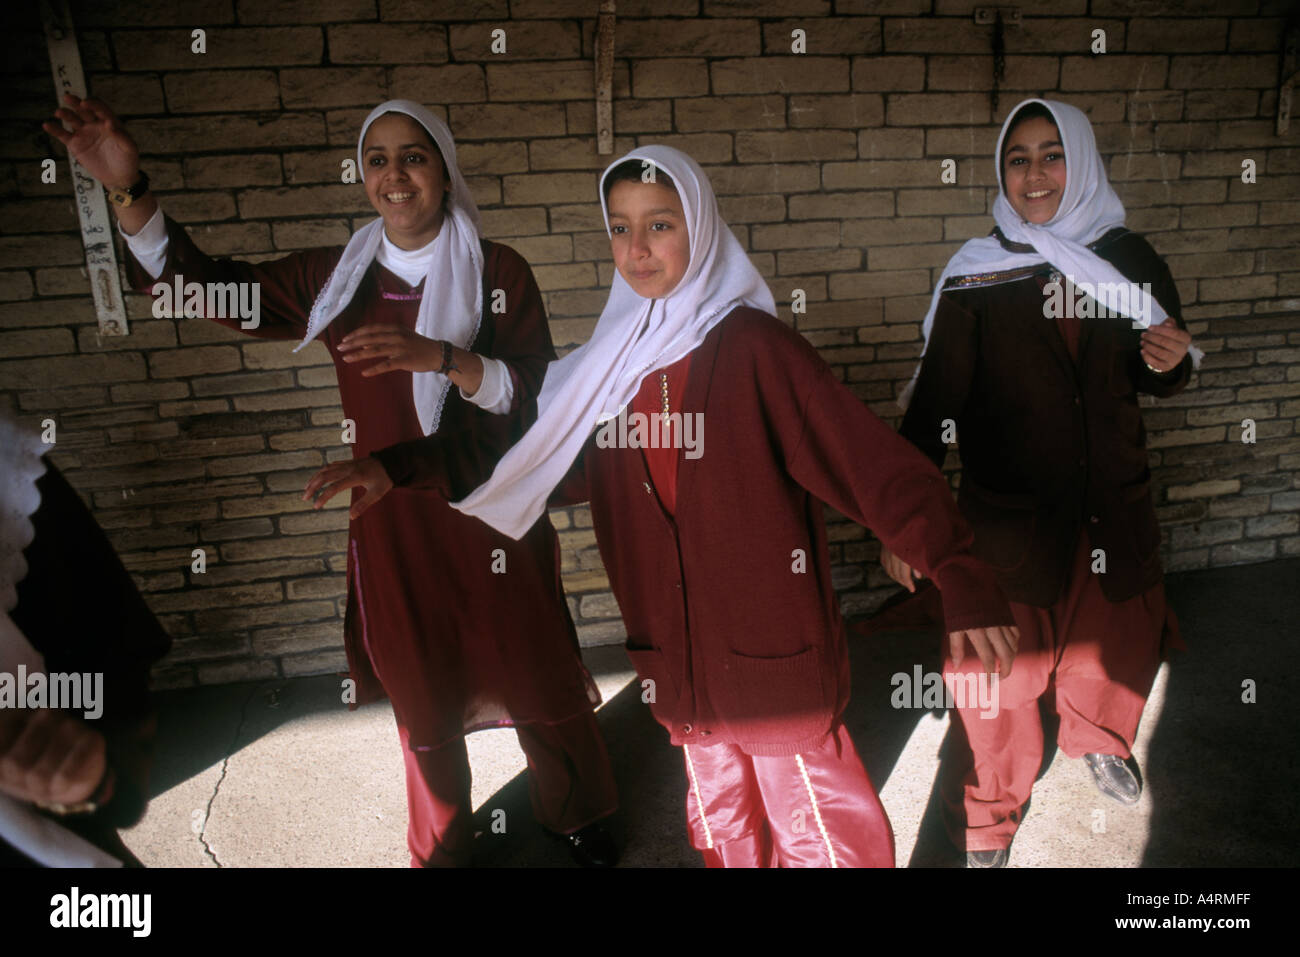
(1094, 519)
(687, 729)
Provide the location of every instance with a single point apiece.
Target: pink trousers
(816, 809)
(1101, 658)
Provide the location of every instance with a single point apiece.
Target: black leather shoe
(996, 858)
(592, 846)
(1114, 778)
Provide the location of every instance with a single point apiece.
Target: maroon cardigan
(741, 647)
(1048, 445)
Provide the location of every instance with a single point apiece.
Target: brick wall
(827, 166)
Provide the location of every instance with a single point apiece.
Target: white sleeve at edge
(149, 245)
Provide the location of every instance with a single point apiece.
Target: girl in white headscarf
(417, 302)
(1038, 340)
(714, 538)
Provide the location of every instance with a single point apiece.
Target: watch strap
(128, 195)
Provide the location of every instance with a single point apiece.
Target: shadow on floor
(1223, 773)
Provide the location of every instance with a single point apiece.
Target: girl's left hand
(1165, 345)
(399, 347)
(365, 473)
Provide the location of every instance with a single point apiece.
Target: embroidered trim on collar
(1009, 275)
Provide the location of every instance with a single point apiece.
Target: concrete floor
(280, 773)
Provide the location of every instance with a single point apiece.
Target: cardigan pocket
(772, 700)
(1004, 524)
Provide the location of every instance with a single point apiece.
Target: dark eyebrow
(1042, 146)
(404, 146)
(653, 212)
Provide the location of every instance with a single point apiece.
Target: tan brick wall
(827, 165)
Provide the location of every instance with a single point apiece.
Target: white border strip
(817, 814)
(92, 209)
(699, 801)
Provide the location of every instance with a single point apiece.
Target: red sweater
(728, 604)
(662, 462)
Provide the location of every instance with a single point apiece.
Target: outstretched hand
(364, 473)
(97, 140)
(995, 646)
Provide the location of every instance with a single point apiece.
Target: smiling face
(648, 237)
(1033, 169)
(405, 179)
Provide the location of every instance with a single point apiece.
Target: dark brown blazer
(1048, 445)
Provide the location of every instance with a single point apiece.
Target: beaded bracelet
(448, 364)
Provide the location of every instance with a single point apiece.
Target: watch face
(127, 195)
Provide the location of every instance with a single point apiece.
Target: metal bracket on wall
(999, 18)
(605, 78)
(987, 16)
(1290, 75)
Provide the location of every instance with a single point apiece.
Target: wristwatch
(125, 197)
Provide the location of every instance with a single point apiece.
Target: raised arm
(276, 295)
(98, 141)
(159, 250)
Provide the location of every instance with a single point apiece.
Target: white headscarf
(633, 336)
(451, 307)
(1089, 209)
